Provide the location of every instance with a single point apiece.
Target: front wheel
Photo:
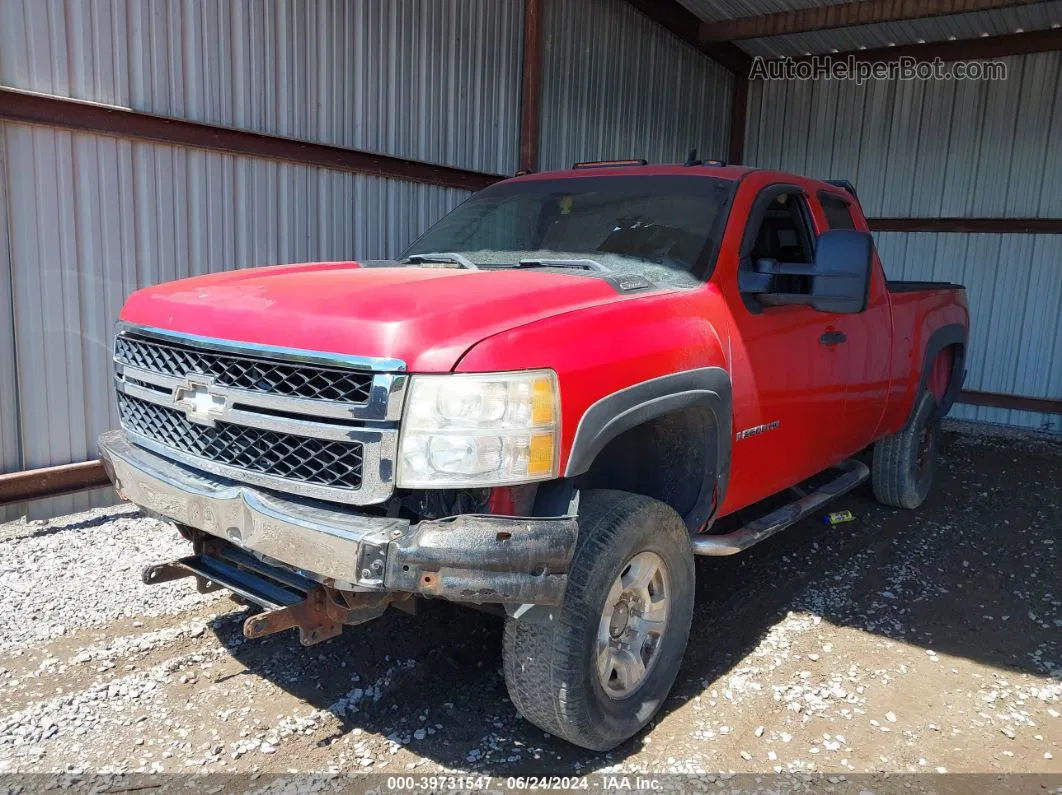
(601, 671)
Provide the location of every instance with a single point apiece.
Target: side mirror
(837, 282)
(759, 281)
(841, 279)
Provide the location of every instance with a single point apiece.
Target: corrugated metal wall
(948, 148)
(424, 79)
(914, 148)
(99, 217)
(616, 85)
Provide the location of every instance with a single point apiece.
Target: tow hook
(320, 616)
(289, 600)
(310, 616)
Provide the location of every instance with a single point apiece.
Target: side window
(784, 234)
(838, 213)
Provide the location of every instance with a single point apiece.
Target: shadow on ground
(987, 542)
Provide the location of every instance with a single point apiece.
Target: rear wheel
(600, 672)
(906, 462)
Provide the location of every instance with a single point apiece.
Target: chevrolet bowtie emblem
(199, 403)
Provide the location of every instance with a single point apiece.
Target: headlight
(464, 430)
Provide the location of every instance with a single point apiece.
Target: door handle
(833, 338)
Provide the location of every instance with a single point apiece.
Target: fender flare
(707, 387)
(951, 334)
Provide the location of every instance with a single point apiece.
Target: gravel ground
(902, 642)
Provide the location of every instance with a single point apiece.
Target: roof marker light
(610, 163)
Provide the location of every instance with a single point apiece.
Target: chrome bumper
(466, 558)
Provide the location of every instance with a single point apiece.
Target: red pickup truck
(560, 394)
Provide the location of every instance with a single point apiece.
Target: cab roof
(707, 169)
(731, 173)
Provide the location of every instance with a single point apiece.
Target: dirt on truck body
(492, 418)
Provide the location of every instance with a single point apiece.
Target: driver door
(789, 390)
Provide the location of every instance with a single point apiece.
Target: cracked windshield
(663, 229)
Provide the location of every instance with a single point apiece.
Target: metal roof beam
(678, 19)
(959, 49)
(865, 12)
(994, 226)
(72, 114)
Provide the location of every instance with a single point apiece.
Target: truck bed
(914, 287)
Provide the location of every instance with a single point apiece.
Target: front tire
(906, 462)
(600, 672)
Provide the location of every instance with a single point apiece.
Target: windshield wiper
(580, 264)
(442, 258)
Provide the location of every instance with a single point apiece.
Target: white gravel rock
(107, 548)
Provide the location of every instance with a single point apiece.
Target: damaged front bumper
(514, 561)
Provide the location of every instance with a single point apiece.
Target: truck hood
(426, 317)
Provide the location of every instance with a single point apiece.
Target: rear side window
(838, 212)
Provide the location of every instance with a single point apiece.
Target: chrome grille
(321, 426)
(321, 462)
(286, 379)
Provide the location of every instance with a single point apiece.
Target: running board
(853, 473)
